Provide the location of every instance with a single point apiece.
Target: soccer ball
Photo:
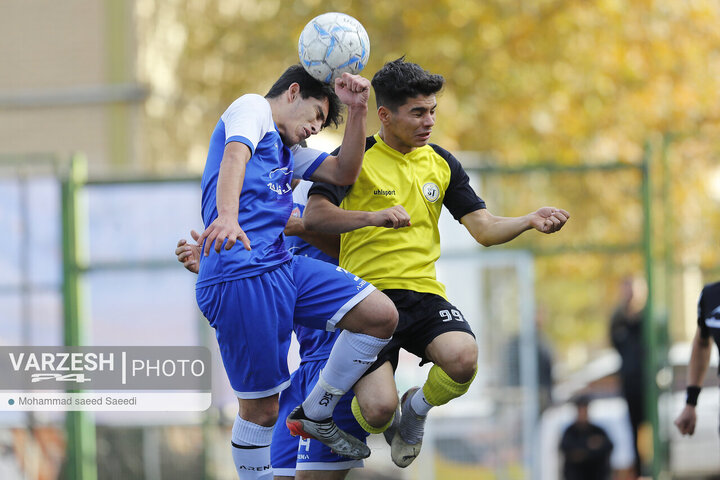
(331, 44)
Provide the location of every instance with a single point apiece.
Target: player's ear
(293, 91)
(384, 114)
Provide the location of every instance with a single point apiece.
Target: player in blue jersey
(310, 458)
(250, 288)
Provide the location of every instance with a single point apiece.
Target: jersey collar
(395, 154)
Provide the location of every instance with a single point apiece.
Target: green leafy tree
(567, 82)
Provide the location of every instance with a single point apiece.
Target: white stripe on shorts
(330, 327)
(283, 472)
(266, 393)
(328, 465)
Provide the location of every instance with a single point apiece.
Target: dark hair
(309, 87)
(582, 400)
(399, 80)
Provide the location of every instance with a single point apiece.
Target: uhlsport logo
(383, 192)
(431, 192)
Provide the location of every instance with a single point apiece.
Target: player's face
(582, 415)
(411, 124)
(305, 117)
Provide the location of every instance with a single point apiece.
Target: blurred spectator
(626, 334)
(586, 447)
(544, 362)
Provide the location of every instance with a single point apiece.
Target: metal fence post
(80, 426)
(653, 323)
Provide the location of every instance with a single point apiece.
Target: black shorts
(422, 317)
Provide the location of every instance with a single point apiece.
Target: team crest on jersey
(278, 182)
(431, 192)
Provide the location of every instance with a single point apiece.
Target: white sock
(419, 403)
(351, 356)
(251, 450)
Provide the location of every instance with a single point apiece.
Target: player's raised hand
(685, 422)
(223, 227)
(189, 254)
(549, 219)
(393, 217)
(353, 90)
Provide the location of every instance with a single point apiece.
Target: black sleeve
(333, 193)
(703, 314)
(336, 193)
(618, 331)
(460, 198)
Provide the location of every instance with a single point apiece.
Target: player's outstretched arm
(189, 254)
(229, 186)
(329, 244)
(321, 215)
(699, 361)
(488, 229)
(343, 169)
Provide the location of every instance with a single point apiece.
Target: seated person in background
(586, 447)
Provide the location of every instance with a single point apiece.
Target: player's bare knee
(267, 418)
(379, 409)
(462, 363)
(319, 475)
(382, 316)
(263, 418)
(386, 324)
(385, 318)
(376, 316)
(264, 413)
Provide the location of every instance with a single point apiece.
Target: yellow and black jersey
(422, 181)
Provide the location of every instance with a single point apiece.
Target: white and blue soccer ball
(331, 44)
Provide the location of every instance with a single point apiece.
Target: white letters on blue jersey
(266, 199)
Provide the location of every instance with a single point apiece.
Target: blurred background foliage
(567, 82)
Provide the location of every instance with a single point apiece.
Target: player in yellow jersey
(405, 181)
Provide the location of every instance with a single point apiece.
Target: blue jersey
(288, 453)
(297, 245)
(266, 199)
(314, 344)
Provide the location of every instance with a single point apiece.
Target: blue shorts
(287, 451)
(253, 318)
